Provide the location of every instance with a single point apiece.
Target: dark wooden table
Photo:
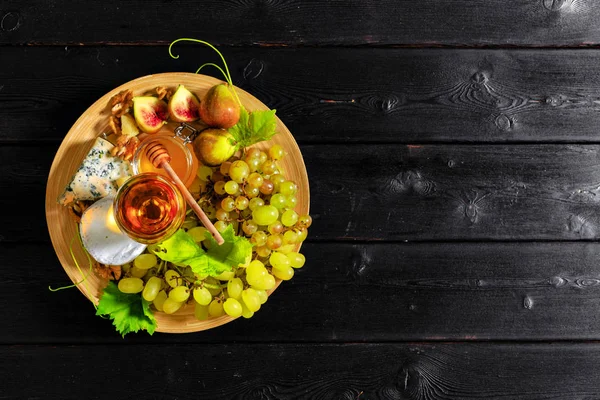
(453, 149)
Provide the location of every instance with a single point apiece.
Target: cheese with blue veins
(96, 175)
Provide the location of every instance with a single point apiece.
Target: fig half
(184, 105)
(150, 113)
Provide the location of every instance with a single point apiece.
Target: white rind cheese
(96, 175)
(102, 238)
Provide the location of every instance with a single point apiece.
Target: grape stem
(225, 73)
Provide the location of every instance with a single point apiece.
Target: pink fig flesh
(150, 113)
(184, 105)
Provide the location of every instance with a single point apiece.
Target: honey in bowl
(149, 208)
(183, 161)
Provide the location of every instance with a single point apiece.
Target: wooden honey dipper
(160, 158)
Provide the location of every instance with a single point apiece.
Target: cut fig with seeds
(150, 113)
(184, 105)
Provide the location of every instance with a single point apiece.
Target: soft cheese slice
(96, 175)
(102, 238)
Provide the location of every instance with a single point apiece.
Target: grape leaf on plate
(253, 127)
(129, 312)
(181, 250)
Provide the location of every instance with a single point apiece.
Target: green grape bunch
(252, 194)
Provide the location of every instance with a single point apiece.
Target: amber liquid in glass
(149, 207)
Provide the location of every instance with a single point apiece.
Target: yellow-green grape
(253, 164)
(262, 157)
(179, 294)
(225, 275)
(266, 283)
(275, 228)
(287, 248)
(210, 211)
(170, 306)
(220, 187)
(276, 152)
(159, 300)
(235, 287)
(291, 202)
(228, 204)
(221, 226)
(213, 281)
(251, 299)
(202, 296)
(249, 227)
(222, 215)
(224, 168)
(265, 215)
(297, 260)
(238, 171)
(279, 261)
(267, 187)
(263, 251)
(145, 261)
(277, 180)
(137, 272)
(246, 313)
(255, 179)
(278, 200)
(252, 153)
(289, 218)
(198, 233)
(215, 308)
(232, 307)
(290, 237)
(204, 173)
(268, 167)
(255, 272)
(285, 274)
(173, 278)
(231, 187)
(201, 312)
(217, 176)
(288, 188)
(302, 234)
(152, 288)
(131, 285)
(259, 238)
(274, 242)
(262, 295)
(304, 221)
(255, 203)
(251, 191)
(241, 203)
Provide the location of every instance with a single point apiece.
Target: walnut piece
(125, 147)
(121, 103)
(164, 93)
(111, 272)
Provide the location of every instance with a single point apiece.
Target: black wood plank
(351, 293)
(304, 22)
(333, 95)
(396, 192)
(308, 372)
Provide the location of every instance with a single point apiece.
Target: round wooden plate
(92, 123)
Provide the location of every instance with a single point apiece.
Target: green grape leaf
(181, 250)
(129, 312)
(253, 127)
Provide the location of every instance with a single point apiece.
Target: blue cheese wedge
(96, 175)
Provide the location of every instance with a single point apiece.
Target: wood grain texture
(398, 192)
(304, 22)
(333, 95)
(307, 372)
(351, 293)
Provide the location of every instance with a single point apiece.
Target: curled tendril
(84, 279)
(225, 73)
(211, 65)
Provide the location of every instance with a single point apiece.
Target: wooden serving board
(78, 141)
